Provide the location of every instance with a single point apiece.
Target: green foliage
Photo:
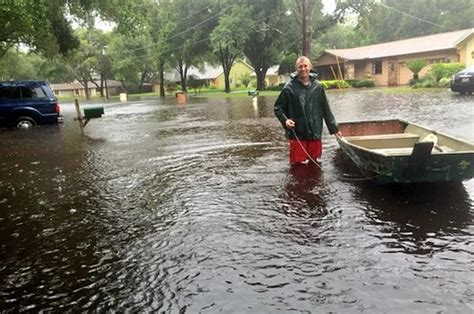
(171, 86)
(287, 65)
(444, 70)
(278, 87)
(333, 84)
(338, 36)
(424, 82)
(245, 79)
(415, 66)
(229, 37)
(361, 83)
(131, 59)
(196, 84)
(42, 26)
(439, 75)
(265, 45)
(444, 82)
(389, 20)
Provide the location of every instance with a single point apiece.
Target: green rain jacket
(307, 106)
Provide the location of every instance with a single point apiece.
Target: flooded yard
(194, 208)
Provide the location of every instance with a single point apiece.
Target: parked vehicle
(24, 104)
(463, 81)
(399, 151)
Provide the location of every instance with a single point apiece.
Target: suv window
(9, 92)
(21, 92)
(32, 92)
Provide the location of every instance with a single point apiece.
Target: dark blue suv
(24, 104)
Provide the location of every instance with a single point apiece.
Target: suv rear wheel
(25, 123)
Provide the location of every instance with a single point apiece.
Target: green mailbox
(93, 112)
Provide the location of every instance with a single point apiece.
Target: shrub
(277, 87)
(415, 66)
(446, 70)
(245, 79)
(361, 83)
(335, 84)
(424, 82)
(171, 86)
(444, 82)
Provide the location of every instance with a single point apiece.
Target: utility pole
(304, 20)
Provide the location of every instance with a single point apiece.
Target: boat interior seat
(382, 136)
(403, 151)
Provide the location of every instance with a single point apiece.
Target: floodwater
(194, 209)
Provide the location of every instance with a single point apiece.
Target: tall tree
(131, 60)
(265, 47)
(192, 22)
(161, 28)
(229, 37)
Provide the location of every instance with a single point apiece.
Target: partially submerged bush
(439, 75)
(335, 84)
(361, 83)
(444, 70)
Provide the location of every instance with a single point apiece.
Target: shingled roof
(428, 43)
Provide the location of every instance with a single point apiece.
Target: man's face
(303, 67)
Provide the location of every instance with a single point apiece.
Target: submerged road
(194, 208)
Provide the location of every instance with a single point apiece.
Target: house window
(377, 67)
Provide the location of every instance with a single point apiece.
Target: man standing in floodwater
(301, 107)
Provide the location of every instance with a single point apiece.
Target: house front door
(392, 72)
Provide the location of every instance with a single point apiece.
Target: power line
(200, 23)
(184, 31)
(178, 34)
(414, 17)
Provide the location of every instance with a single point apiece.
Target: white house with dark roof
(213, 74)
(386, 63)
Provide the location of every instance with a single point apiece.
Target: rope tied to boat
(366, 178)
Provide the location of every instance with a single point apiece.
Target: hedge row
(336, 84)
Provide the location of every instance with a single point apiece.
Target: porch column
(349, 71)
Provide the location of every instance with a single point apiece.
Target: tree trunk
(261, 78)
(306, 8)
(106, 89)
(182, 69)
(101, 88)
(227, 81)
(86, 89)
(162, 78)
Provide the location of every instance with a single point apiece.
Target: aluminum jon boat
(399, 151)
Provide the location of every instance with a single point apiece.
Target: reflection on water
(194, 208)
(305, 190)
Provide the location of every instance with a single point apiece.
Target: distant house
(75, 89)
(386, 63)
(213, 75)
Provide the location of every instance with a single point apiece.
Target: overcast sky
(329, 5)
